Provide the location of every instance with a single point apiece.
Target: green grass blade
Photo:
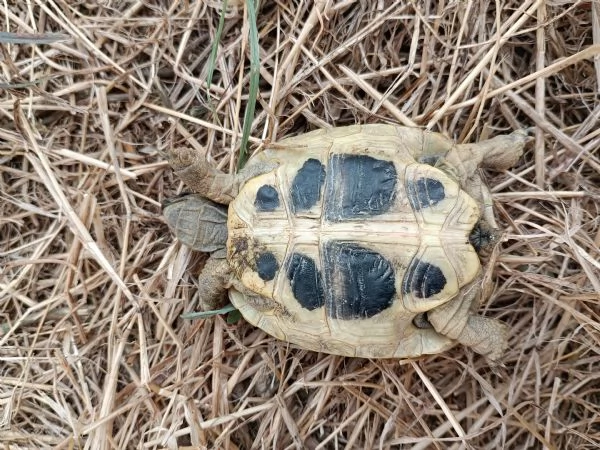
(254, 79)
(206, 314)
(212, 61)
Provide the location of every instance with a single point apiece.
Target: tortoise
(358, 241)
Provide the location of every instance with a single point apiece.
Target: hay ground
(93, 352)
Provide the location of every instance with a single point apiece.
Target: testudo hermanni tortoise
(357, 241)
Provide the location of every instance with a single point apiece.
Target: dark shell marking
(424, 192)
(359, 282)
(306, 187)
(423, 279)
(246, 253)
(306, 281)
(356, 282)
(267, 198)
(266, 266)
(358, 186)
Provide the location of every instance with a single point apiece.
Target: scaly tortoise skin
(355, 241)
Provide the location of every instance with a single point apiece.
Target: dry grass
(93, 351)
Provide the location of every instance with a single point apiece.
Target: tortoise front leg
(499, 153)
(196, 172)
(456, 320)
(213, 282)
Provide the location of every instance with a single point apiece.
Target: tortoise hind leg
(456, 320)
(498, 153)
(485, 336)
(196, 172)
